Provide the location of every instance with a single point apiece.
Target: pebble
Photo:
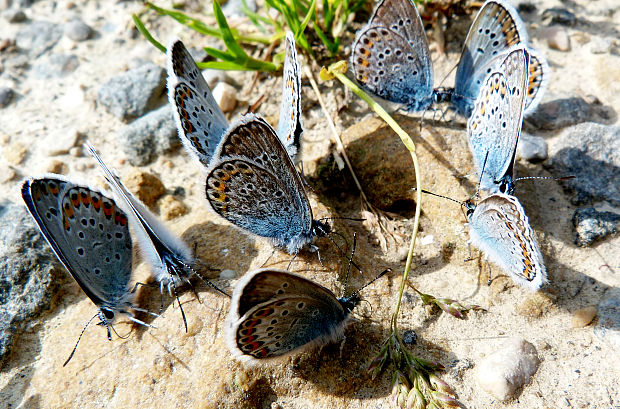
(561, 16)
(561, 113)
(601, 45)
(54, 166)
(15, 153)
(608, 310)
(148, 136)
(146, 186)
(6, 96)
(591, 225)
(56, 66)
(410, 337)
(532, 148)
(557, 38)
(133, 93)
(226, 96)
(228, 274)
(25, 291)
(7, 174)
(76, 152)
(583, 316)
(14, 16)
(77, 30)
(170, 207)
(60, 141)
(591, 152)
(38, 37)
(503, 372)
(535, 305)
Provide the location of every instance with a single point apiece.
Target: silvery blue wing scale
(200, 121)
(499, 227)
(274, 313)
(253, 184)
(290, 128)
(496, 28)
(390, 56)
(169, 257)
(89, 234)
(495, 124)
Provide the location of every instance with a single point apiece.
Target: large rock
(591, 225)
(38, 37)
(133, 93)
(29, 274)
(591, 152)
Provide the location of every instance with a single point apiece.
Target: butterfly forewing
(290, 127)
(199, 119)
(88, 233)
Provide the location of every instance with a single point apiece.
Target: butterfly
(168, 256)
(274, 313)
(89, 233)
(494, 127)
(495, 30)
(499, 227)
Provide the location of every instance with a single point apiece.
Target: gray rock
(561, 16)
(133, 93)
(29, 274)
(591, 152)
(608, 311)
(503, 372)
(14, 16)
(532, 148)
(148, 136)
(77, 30)
(38, 37)
(560, 113)
(557, 38)
(6, 96)
(56, 66)
(410, 337)
(591, 225)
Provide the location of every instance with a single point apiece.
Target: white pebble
(503, 372)
(228, 274)
(532, 148)
(60, 142)
(226, 96)
(557, 38)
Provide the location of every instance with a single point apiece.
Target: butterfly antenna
(546, 177)
(343, 218)
(438, 195)
(484, 164)
(209, 283)
(79, 339)
(381, 274)
(176, 295)
(343, 252)
(346, 279)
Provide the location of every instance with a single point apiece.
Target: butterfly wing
(500, 228)
(157, 243)
(290, 128)
(539, 77)
(496, 28)
(88, 233)
(274, 313)
(200, 121)
(254, 184)
(495, 125)
(391, 58)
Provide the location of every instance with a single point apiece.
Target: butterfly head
(349, 302)
(320, 229)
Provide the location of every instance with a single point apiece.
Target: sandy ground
(165, 367)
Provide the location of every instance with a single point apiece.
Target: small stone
(148, 136)
(55, 166)
(561, 16)
(410, 337)
(146, 186)
(561, 113)
(76, 152)
(60, 141)
(15, 153)
(7, 174)
(228, 274)
(535, 305)
(532, 148)
(56, 66)
(557, 38)
(608, 311)
(213, 77)
(526, 7)
(504, 372)
(226, 96)
(601, 45)
(591, 152)
(77, 30)
(170, 207)
(583, 316)
(6, 96)
(591, 225)
(14, 16)
(133, 93)
(38, 37)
